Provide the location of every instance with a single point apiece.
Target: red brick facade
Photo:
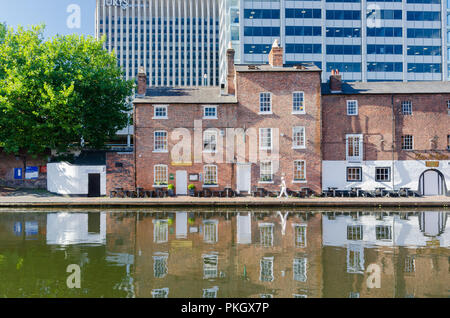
(119, 171)
(381, 114)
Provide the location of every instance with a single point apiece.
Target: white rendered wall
(404, 232)
(404, 173)
(72, 228)
(64, 178)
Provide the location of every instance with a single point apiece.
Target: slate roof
(350, 88)
(185, 95)
(301, 67)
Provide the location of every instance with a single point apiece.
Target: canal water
(248, 253)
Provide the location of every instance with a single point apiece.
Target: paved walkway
(27, 198)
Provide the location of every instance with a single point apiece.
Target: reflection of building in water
(410, 248)
(76, 228)
(225, 254)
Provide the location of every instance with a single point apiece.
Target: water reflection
(225, 254)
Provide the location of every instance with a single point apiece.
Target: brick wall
(119, 171)
(179, 116)
(429, 121)
(7, 164)
(282, 84)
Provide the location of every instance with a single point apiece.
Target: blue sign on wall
(17, 173)
(32, 173)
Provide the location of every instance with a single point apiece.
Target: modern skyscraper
(176, 41)
(366, 40)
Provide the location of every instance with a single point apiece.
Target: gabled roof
(184, 95)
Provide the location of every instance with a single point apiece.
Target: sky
(60, 16)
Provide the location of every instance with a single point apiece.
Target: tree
(62, 94)
(2, 32)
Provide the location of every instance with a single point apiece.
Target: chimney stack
(276, 55)
(231, 85)
(335, 82)
(142, 81)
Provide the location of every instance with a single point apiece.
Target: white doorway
(181, 182)
(431, 183)
(243, 177)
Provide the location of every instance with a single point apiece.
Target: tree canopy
(61, 94)
(2, 32)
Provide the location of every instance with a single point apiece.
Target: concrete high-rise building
(366, 40)
(176, 41)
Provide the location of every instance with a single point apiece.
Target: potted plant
(170, 188)
(191, 188)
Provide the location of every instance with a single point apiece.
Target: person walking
(283, 188)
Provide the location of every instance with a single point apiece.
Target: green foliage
(170, 187)
(56, 93)
(191, 187)
(2, 32)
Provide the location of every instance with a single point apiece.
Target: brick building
(265, 125)
(273, 120)
(388, 135)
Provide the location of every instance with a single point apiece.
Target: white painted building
(76, 228)
(68, 179)
(413, 174)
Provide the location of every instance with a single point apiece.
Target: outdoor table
(406, 189)
(333, 189)
(261, 191)
(357, 189)
(381, 189)
(306, 190)
(139, 190)
(228, 192)
(119, 191)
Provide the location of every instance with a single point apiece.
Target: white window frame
(155, 116)
(160, 231)
(213, 227)
(356, 231)
(301, 130)
(360, 146)
(448, 107)
(260, 170)
(389, 174)
(268, 277)
(349, 102)
(302, 110)
(216, 184)
(355, 259)
(210, 291)
(300, 231)
(304, 172)
(160, 292)
(155, 183)
(360, 173)
(412, 143)
(261, 144)
(210, 268)
(407, 107)
(163, 259)
(266, 239)
(302, 274)
(210, 132)
(204, 111)
(166, 148)
(266, 112)
(381, 231)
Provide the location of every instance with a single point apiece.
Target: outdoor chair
(207, 193)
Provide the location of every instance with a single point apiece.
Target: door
(432, 183)
(243, 177)
(181, 188)
(93, 184)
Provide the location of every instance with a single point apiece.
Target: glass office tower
(366, 40)
(177, 41)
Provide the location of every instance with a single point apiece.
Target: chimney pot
(276, 55)
(231, 73)
(142, 81)
(335, 82)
